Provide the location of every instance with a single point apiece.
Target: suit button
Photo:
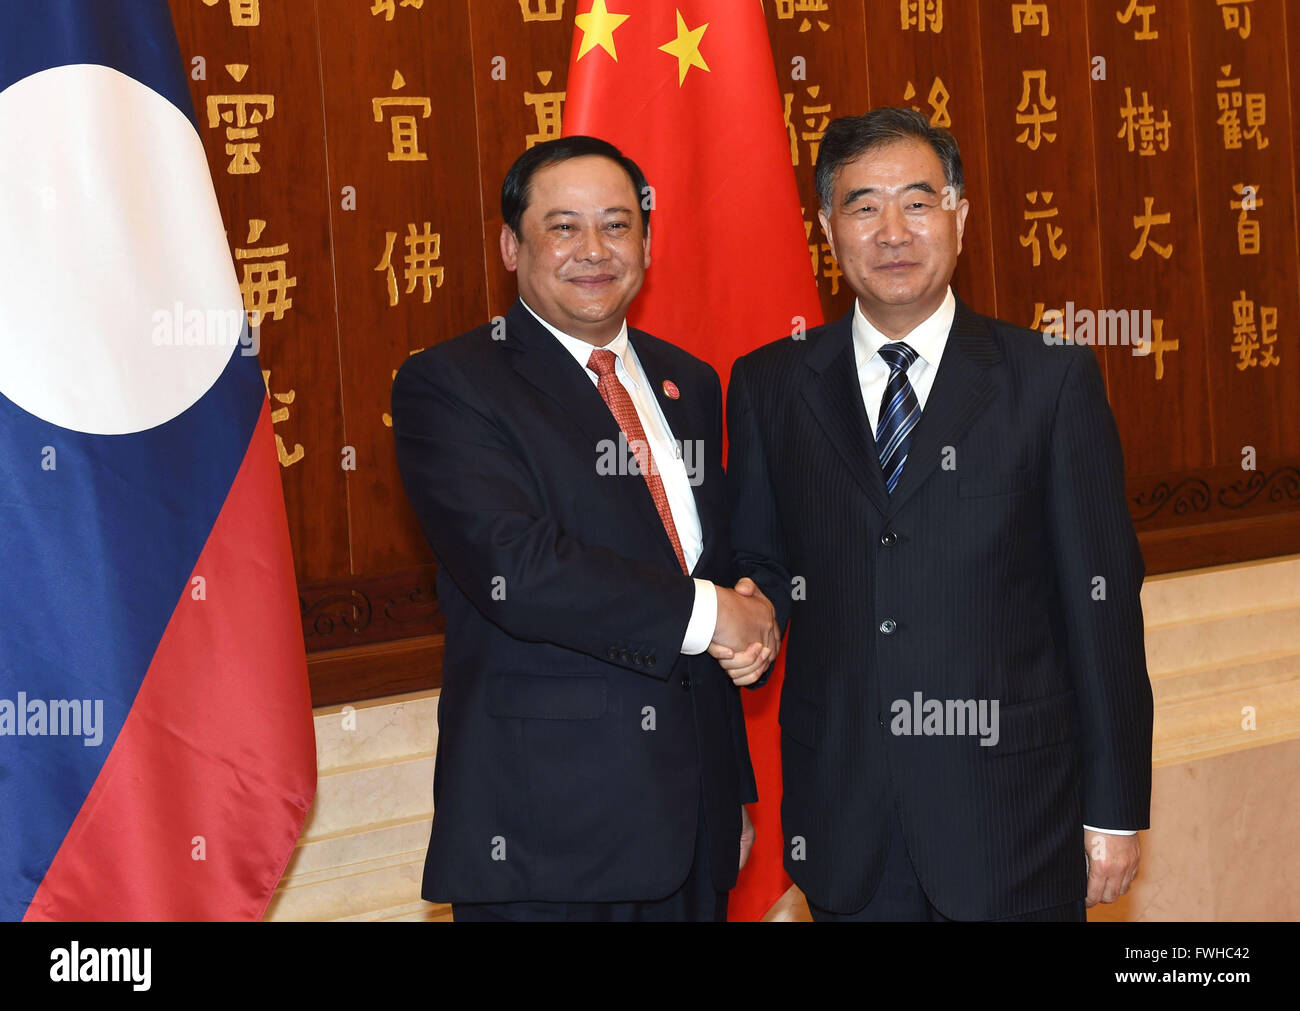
(623, 654)
(889, 538)
(686, 684)
(612, 653)
(650, 662)
(636, 659)
(887, 626)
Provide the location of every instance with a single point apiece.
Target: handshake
(745, 638)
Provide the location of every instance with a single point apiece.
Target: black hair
(514, 191)
(849, 137)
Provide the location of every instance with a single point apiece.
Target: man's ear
(647, 248)
(826, 231)
(962, 209)
(509, 248)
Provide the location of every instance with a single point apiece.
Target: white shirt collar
(927, 338)
(581, 349)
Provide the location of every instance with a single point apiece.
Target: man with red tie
(592, 761)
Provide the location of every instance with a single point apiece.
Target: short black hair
(849, 137)
(514, 191)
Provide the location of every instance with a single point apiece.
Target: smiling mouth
(901, 265)
(593, 280)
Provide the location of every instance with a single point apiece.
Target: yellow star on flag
(597, 27)
(686, 47)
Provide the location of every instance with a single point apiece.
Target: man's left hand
(746, 836)
(1112, 865)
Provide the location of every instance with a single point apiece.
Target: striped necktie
(620, 404)
(899, 412)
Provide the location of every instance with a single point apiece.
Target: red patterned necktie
(620, 405)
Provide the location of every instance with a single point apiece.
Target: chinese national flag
(688, 90)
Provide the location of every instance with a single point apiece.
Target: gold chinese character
(1268, 335)
(266, 282)
(242, 114)
(387, 9)
(1030, 239)
(787, 9)
(1248, 233)
(1230, 100)
(1142, 132)
(1245, 338)
(1051, 322)
(1144, 11)
(1236, 15)
(1030, 15)
(279, 414)
(1029, 115)
(938, 99)
(541, 10)
(243, 13)
(1146, 221)
(1157, 346)
(923, 15)
(816, 120)
(406, 141)
(823, 260)
(422, 249)
(548, 106)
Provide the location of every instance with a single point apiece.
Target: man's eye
(618, 224)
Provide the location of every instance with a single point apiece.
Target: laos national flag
(156, 748)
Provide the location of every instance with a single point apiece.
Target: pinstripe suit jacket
(1004, 568)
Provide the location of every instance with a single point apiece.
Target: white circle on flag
(119, 306)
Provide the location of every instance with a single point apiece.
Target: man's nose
(594, 246)
(893, 228)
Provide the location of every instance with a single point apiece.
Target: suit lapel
(834, 394)
(961, 390)
(543, 362)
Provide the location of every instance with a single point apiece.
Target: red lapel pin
(670, 390)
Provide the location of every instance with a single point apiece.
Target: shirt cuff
(1112, 831)
(704, 618)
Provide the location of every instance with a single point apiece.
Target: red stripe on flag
(219, 744)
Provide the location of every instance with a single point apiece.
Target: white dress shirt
(928, 339)
(668, 461)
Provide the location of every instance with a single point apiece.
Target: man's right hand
(745, 638)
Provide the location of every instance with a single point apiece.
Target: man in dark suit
(934, 501)
(567, 471)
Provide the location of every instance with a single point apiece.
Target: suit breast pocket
(987, 485)
(547, 696)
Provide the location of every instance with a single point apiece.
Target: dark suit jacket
(574, 737)
(976, 580)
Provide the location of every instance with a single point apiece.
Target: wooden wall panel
(821, 68)
(265, 78)
(1150, 236)
(1244, 139)
(520, 57)
(1042, 187)
(408, 261)
(494, 75)
(927, 57)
